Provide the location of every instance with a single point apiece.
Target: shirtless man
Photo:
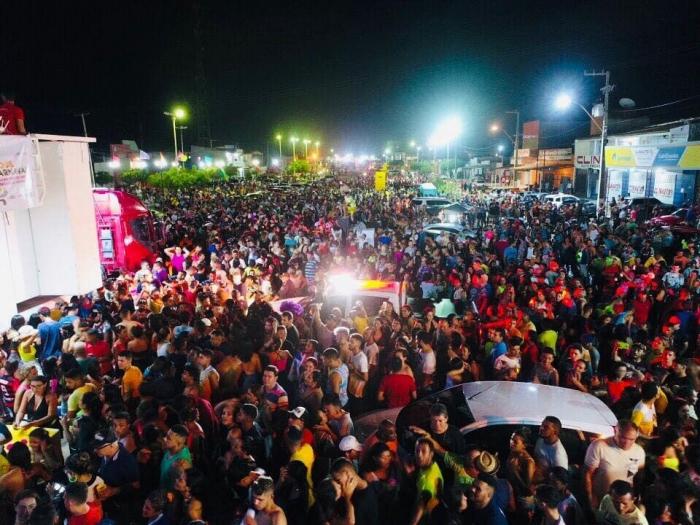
(264, 510)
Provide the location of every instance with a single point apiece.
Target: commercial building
(661, 162)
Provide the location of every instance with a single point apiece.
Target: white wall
(52, 249)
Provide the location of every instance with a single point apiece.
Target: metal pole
(280, 143)
(82, 117)
(603, 132)
(175, 137)
(515, 141)
(182, 142)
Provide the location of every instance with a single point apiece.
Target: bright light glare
(412, 144)
(447, 131)
(114, 164)
(500, 148)
(174, 164)
(179, 113)
(495, 128)
(278, 136)
(343, 284)
(387, 151)
(202, 164)
(256, 162)
(563, 101)
(219, 164)
(275, 162)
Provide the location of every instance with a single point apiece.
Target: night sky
(352, 74)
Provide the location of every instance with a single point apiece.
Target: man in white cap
(351, 449)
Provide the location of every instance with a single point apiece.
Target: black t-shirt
(366, 505)
(451, 440)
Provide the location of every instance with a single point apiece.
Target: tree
(299, 166)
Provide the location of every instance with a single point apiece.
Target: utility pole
(182, 142)
(606, 90)
(92, 170)
(82, 117)
(515, 141)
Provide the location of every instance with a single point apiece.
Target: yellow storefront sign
(691, 157)
(621, 157)
(379, 180)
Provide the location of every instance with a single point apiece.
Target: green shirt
(455, 463)
(169, 460)
(430, 481)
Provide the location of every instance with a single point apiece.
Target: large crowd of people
(202, 389)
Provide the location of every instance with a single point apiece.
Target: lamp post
(514, 139)
(306, 148)
(564, 100)
(175, 114)
(182, 142)
(279, 142)
(294, 141)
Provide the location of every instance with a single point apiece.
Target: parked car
(431, 201)
(560, 199)
(646, 205)
(487, 412)
(449, 228)
(674, 218)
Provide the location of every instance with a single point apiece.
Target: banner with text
(21, 183)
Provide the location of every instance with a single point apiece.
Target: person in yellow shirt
(75, 382)
(132, 378)
(644, 413)
(303, 453)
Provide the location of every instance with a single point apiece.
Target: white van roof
(504, 402)
(428, 186)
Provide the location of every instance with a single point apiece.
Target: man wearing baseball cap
(351, 449)
(120, 473)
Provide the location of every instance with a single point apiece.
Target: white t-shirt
(371, 351)
(549, 456)
(429, 362)
(360, 363)
(611, 463)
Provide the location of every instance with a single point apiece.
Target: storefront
(645, 165)
(668, 173)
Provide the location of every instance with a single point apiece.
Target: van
(427, 189)
(430, 201)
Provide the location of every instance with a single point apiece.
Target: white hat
(349, 443)
(206, 321)
(26, 331)
(298, 412)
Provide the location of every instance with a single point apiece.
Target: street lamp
(495, 128)
(175, 114)
(279, 141)
(294, 141)
(500, 148)
(564, 101)
(306, 148)
(446, 132)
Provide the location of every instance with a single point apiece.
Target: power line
(658, 105)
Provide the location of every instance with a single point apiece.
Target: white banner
(664, 185)
(21, 182)
(637, 184)
(614, 184)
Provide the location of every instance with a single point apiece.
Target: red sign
(531, 134)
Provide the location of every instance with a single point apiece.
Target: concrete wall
(52, 249)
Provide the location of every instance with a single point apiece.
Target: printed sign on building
(664, 185)
(637, 186)
(615, 183)
(21, 183)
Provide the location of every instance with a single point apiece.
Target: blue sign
(669, 156)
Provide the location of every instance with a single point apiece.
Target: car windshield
(418, 412)
(142, 231)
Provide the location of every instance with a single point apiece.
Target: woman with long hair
(38, 407)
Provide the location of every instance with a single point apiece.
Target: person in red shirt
(98, 348)
(81, 512)
(396, 388)
(642, 307)
(11, 116)
(620, 382)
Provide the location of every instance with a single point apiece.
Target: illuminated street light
(495, 128)
(175, 114)
(256, 162)
(279, 141)
(306, 148)
(500, 148)
(412, 143)
(275, 162)
(294, 141)
(563, 101)
(445, 133)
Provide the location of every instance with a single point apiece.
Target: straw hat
(487, 463)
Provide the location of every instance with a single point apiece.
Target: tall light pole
(514, 139)
(294, 141)
(182, 142)
(306, 148)
(175, 114)
(317, 144)
(564, 100)
(279, 141)
(606, 89)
